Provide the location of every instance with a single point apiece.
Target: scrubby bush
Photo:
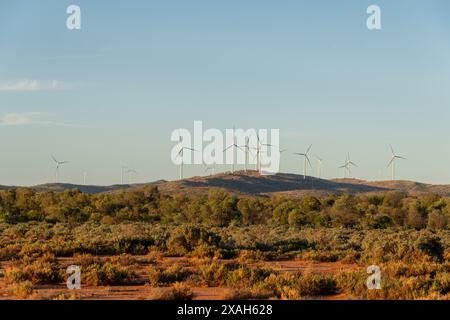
(316, 285)
(215, 273)
(42, 270)
(179, 291)
(97, 272)
(186, 238)
(22, 289)
(159, 276)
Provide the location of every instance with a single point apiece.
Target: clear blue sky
(113, 92)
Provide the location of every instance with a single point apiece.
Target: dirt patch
(143, 291)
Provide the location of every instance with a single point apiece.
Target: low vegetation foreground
(144, 244)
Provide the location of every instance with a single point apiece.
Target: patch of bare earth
(140, 290)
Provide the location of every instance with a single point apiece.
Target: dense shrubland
(227, 240)
(221, 209)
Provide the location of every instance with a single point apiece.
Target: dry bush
(179, 291)
(289, 293)
(316, 285)
(123, 260)
(85, 259)
(276, 282)
(214, 273)
(22, 289)
(251, 256)
(246, 294)
(245, 277)
(107, 273)
(111, 271)
(42, 270)
(186, 239)
(154, 256)
(206, 251)
(399, 281)
(158, 276)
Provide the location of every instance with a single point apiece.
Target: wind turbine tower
(305, 160)
(347, 166)
(247, 150)
(319, 166)
(130, 172)
(181, 155)
(259, 150)
(58, 165)
(122, 173)
(393, 161)
(233, 146)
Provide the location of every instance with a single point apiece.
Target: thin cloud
(31, 118)
(31, 85)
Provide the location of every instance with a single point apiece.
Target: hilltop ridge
(253, 183)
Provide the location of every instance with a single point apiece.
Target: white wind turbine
(84, 177)
(319, 166)
(258, 149)
(58, 165)
(130, 172)
(181, 154)
(347, 166)
(393, 161)
(233, 146)
(305, 160)
(122, 173)
(280, 152)
(247, 152)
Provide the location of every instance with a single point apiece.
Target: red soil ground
(144, 291)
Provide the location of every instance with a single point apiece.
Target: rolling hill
(252, 183)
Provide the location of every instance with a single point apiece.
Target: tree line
(222, 209)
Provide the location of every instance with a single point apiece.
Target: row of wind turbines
(124, 171)
(260, 147)
(247, 149)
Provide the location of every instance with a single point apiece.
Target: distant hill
(90, 189)
(411, 187)
(252, 183)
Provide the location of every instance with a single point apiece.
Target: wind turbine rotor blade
(399, 157)
(309, 148)
(392, 149)
(307, 158)
(228, 148)
(239, 148)
(390, 162)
